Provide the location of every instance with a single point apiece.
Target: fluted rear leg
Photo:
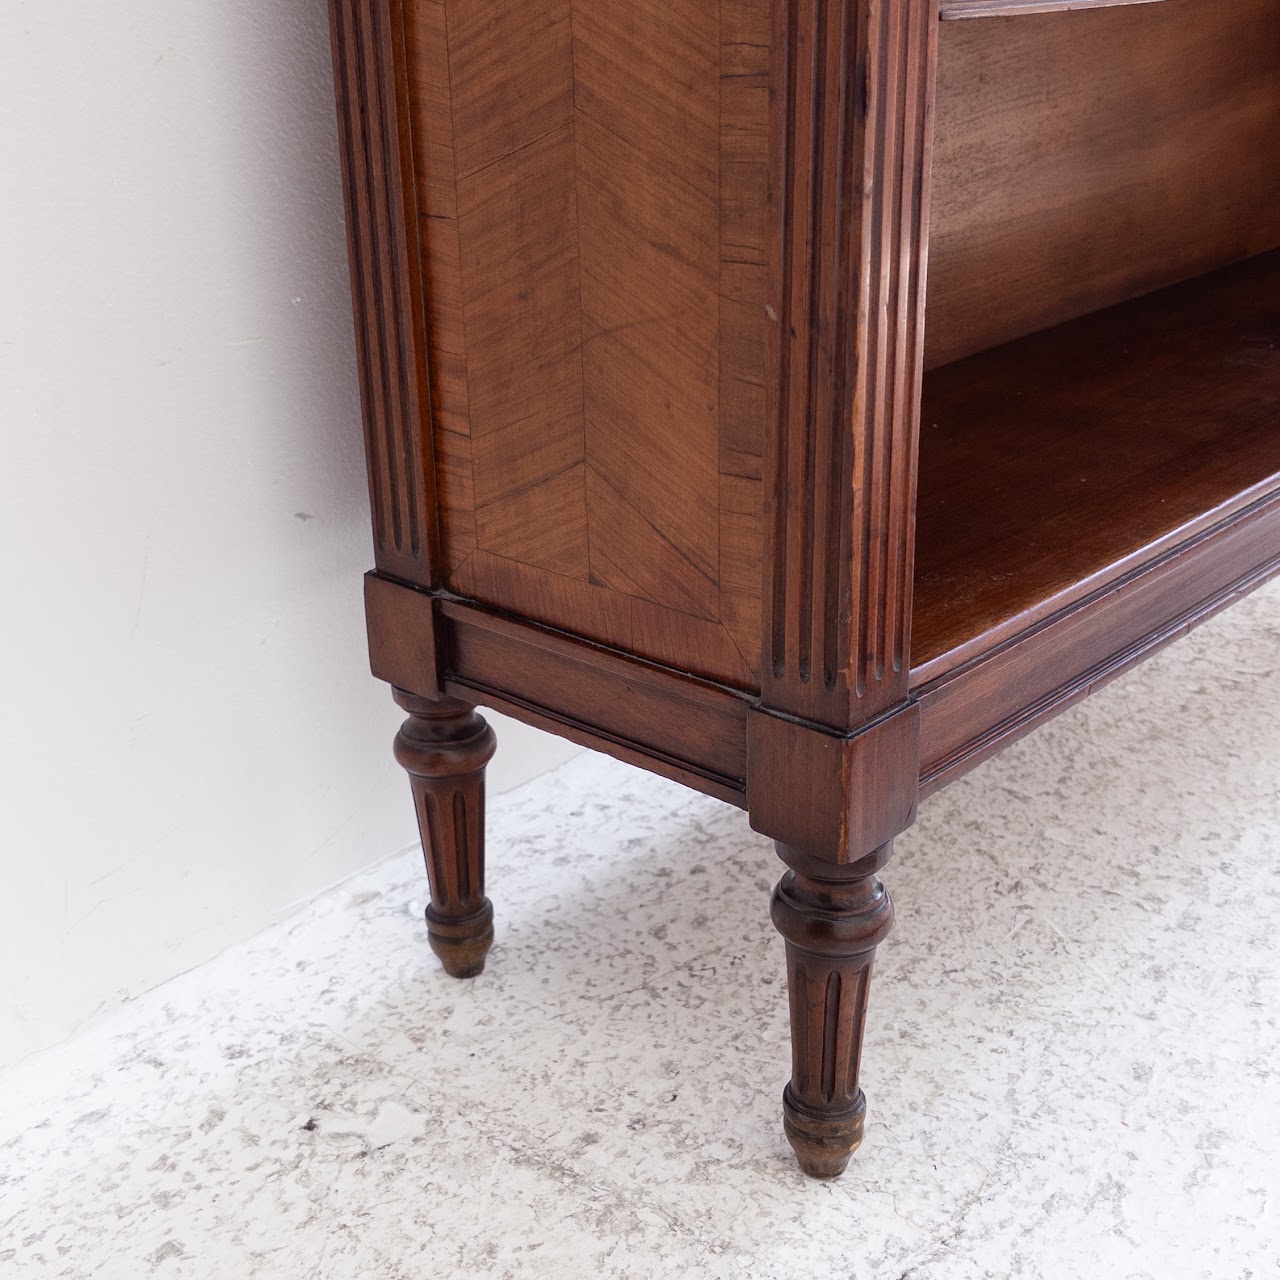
(832, 917)
(445, 745)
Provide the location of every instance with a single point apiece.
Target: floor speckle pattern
(1070, 1061)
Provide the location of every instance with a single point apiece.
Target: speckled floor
(1071, 1059)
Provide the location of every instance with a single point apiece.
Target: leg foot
(444, 745)
(823, 1143)
(833, 917)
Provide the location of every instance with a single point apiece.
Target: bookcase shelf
(1064, 461)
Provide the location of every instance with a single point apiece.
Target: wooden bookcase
(801, 399)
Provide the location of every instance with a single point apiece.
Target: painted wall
(191, 741)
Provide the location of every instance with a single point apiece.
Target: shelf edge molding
(971, 713)
(951, 10)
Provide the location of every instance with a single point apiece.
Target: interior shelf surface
(1055, 464)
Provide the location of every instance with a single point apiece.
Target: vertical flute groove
(783, 195)
(460, 835)
(382, 235)
(434, 841)
(830, 1036)
(850, 208)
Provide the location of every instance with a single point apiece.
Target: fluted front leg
(445, 746)
(833, 917)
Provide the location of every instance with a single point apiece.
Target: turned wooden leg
(833, 917)
(445, 746)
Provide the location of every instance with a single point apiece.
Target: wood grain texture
(849, 216)
(647, 127)
(371, 87)
(1056, 464)
(603, 615)
(970, 713)
(670, 723)
(440, 257)
(513, 135)
(1056, 192)
(951, 10)
(744, 293)
(591, 180)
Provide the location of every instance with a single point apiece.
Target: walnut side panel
(646, 95)
(435, 172)
(372, 92)
(512, 114)
(744, 293)
(591, 188)
(849, 179)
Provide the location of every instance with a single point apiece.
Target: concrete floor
(1071, 1057)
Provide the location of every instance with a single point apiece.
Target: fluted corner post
(833, 749)
(832, 927)
(445, 745)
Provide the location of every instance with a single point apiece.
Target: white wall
(191, 739)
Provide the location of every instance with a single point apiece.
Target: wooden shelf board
(1057, 464)
(950, 10)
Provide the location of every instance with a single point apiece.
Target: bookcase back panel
(1083, 158)
(591, 180)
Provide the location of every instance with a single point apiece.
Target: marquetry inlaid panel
(592, 181)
